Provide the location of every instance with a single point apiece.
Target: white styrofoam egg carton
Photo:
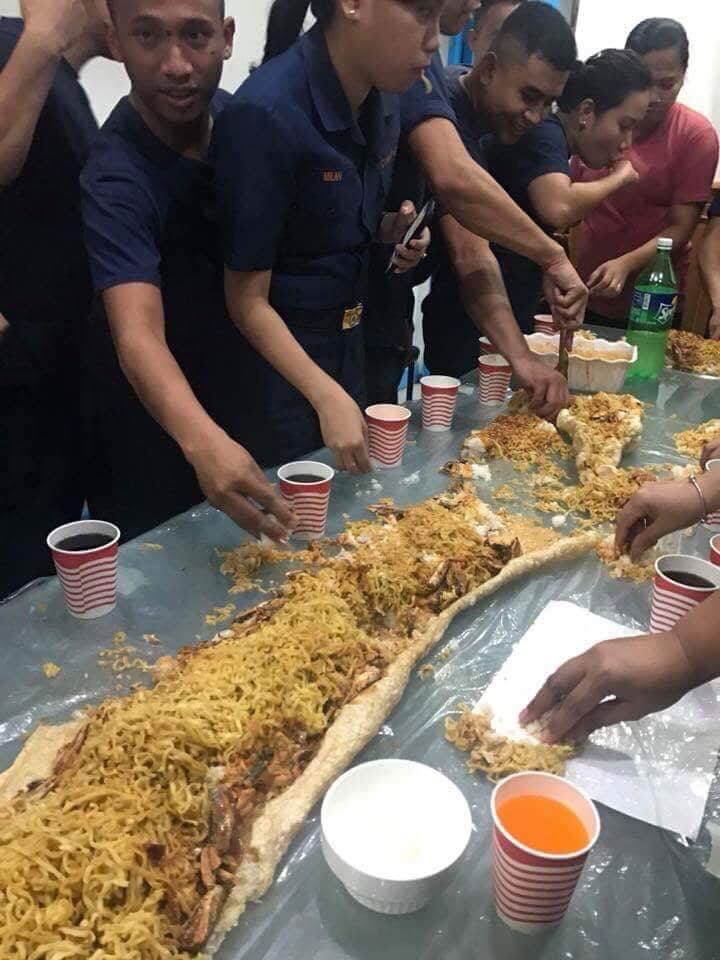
(595, 365)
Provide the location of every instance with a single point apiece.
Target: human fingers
(554, 690)
(605, 714)
(267, 496)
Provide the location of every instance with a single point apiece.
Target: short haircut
(660, 33)
(112, 7)
(487, 5)
(606, 79)
(537, 29)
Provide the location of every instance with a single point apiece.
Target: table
(644, 892)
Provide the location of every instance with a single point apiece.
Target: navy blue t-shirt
(301, 183)
(543, 150)
(141, 199)
(44, 277)
(150, 217)
(419, 104)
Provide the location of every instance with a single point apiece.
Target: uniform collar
(328, 95)
(126, 119)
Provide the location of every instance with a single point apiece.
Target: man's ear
(229, 36)
(487, 68)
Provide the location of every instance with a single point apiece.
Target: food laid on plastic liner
(602, 497)
(602, 427)
(499, 756)
(694, 354)
(522, 439)
(690, 442)
(141, 829)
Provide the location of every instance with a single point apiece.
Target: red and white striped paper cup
(713, 520)
(671, 600)
(439, 398)
(308, 499)
(88, 577)
(532, 888)
(545, 323)
(486, 346)
(494, 373)
(715, 550)
(387, 425)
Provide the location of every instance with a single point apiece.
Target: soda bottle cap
(664, 243)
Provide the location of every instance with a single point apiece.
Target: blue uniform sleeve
(121, 224)
(252, 154)
(418, 105)
(541, 151)
(715, 206)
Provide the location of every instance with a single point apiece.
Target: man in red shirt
(675, 153)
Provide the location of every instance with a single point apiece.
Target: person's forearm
(582, 198)
(268, 333)
(709, 483)
(164, 391)
(24, 85)
(639, 258)
(699, 635)
(474, 198)
(485, 299)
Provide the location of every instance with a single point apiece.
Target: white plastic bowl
(392, 831)
(595, 365)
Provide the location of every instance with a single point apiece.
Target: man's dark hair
(486, 5)
(111, 7)
(538, 29)
(606, 79)
(660, 33)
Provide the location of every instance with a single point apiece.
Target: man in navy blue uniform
(508, 91)
(172, 402)
(46, 127)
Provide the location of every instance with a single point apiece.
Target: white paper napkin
(658, 769)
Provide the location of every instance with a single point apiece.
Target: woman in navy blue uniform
(303, 158)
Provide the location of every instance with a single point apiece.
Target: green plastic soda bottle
(651, 316)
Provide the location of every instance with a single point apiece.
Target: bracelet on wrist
(703, 501)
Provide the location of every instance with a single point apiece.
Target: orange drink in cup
(544, 829)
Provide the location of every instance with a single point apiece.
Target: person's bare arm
(341, 421)
(50, 27)
(560, 203)
(226, 472)
(481, 205)
(485, 299)
(709, 259)
(610, 278)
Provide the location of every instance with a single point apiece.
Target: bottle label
(654, 309)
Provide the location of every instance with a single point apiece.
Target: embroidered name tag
(332, 176)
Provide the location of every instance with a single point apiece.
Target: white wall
(606, 23)
(601, 23)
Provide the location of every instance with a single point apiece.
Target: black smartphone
(416, 228)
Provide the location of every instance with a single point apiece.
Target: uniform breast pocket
(330, 192)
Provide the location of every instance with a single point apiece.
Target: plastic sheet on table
(644, 893)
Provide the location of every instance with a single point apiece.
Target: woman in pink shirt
(675, 153)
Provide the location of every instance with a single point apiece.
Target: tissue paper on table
(658, 769)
